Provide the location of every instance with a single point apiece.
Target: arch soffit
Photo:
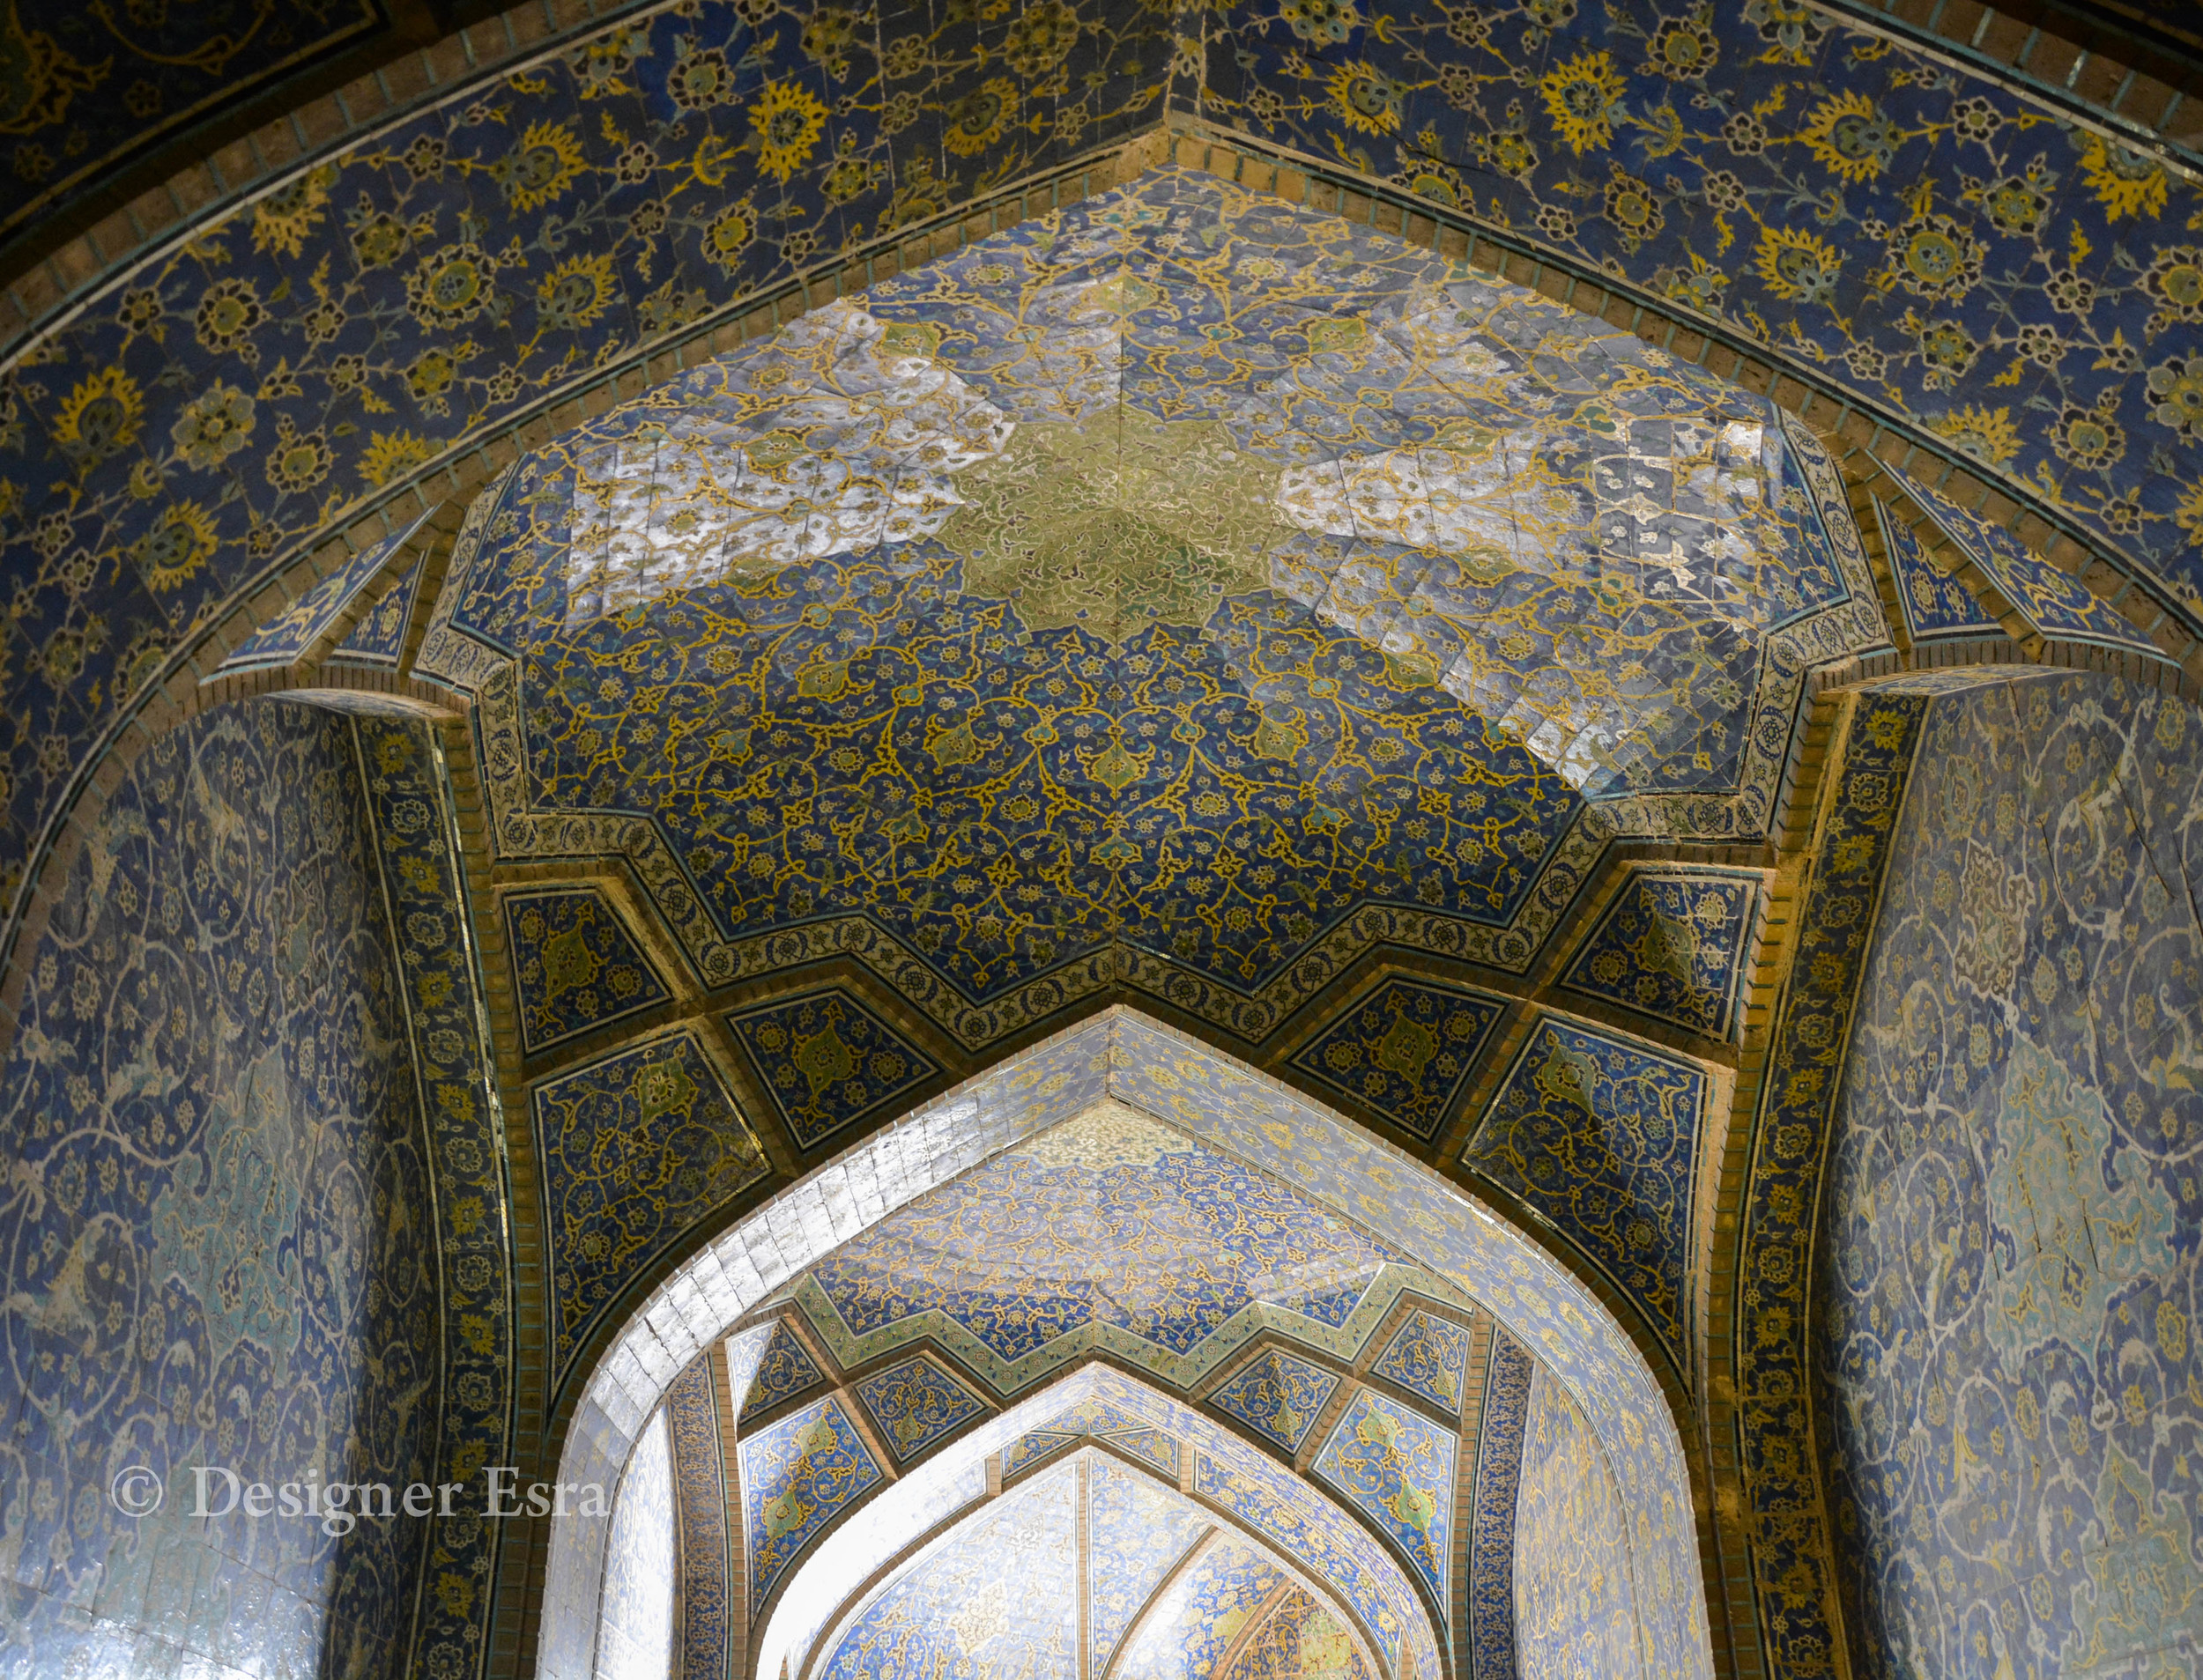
(851, 1564)
(462, 63)
(1150, 1067)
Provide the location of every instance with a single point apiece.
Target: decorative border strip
(1786, 1527)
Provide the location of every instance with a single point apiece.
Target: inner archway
(1127, 1059)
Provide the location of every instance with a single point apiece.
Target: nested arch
(1627, 1429)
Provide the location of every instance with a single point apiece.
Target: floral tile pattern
(1189, 1631)
(1277, 1394)
(1111, 1220)
(2008, 1177)
(1573, 1607)
(415, 812)
(1396, 1467)
(1405, 1050)
(1136, 1534)
(1491, 1596)
(1599, 1134)
(221, 1185)
(1935, 605)
(1673, 945)
(916, 1404)
(378, 639)
(1783, 1490)
(1001, 1597)
(826, 1060)
(698, 1477)
(282, 639)
(797, 1474)
(1427, 1356)
(1298, 1639)
(89, 91)
(636, 1148)
(1552, 1314)
(779, 718)
(1932, 243)
(575, 966)
(218, 407)
(2055, 605)
(784, 1369)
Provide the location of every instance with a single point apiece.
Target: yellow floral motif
(2189, 516)
(547, 161)
(730, 235)
(1986, 434)
(1368, 102)
(1849, 136)
(1583, 97)
(102, 415)
(281, 221)
(2126, 182)
(391, 455)
(975, 121)
(1797, 267)
(788, 119)
(576, 293)
(176, 547)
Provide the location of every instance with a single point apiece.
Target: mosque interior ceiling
(1176, 599)
(1184, 595)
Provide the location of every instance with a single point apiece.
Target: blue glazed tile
(1599, 1134)
(1673, 946)
(1212, 1235)
(1491, 1595)
(1137, 1532)
(284, 638)
(784, 1369)
(692, 1415)
(916, 1404)
(1200, 1614)
(826, 1060)
(797, 1475)
(2067, 1150)
(1404, 1050)
(1427, 1356)
(1935, 604)
(575, 966)
(932, 1621)
(1397, 1469)
(2055, 602)
(379, 638)
(1277, 1394)
(636, 1147)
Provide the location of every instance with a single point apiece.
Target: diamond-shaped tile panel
(797, 1475)
(1035, 1445)
(1404, 1049)
(1397, 1469)
(575, 966)
(826, 1060)
(1151, 1446)
(1598, 1132)
(916, 1404)
(1278, 1395)
(1427, 1356)
(284, 638)
(1935, 605)
(1672, 946)
(379, 638)
(785, 1369)
(2054, 603)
